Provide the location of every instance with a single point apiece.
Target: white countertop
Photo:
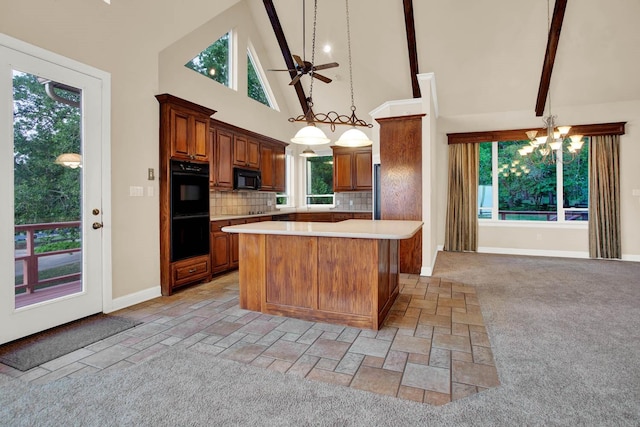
(351, 228)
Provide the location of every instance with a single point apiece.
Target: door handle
(97, 225)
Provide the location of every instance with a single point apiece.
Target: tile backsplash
(253, 202)
(241, 202)
(361, 201)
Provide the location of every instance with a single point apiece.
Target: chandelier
(555, 146)
(311, 134)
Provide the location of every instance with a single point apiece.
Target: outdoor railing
(30, 259)
(569, 214)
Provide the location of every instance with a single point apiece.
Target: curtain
(461, 233)
(604, 197)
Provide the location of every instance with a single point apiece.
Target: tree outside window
(527, 188)
(214, 62)
(319, 189)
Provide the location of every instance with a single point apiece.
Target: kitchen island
(344, 273)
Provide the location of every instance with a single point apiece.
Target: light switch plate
(635, 192)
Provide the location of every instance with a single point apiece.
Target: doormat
(34, 350)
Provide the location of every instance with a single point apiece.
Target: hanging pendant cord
(353, 104)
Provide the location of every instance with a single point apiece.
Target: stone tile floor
(432, 348)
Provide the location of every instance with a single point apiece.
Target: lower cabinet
(225, 247)
(190, 270)
(220, 247)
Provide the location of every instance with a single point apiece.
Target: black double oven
(189, 209)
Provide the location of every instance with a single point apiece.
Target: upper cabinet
(246, 152)
(185, 128)
(352, 169)
(237, 147)
(273, 166)
(221, 166)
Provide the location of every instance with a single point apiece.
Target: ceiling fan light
(310, 135)
(354, 138)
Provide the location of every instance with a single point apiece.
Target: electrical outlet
(337, 202)
(150, 191)
(269, 203)
(350, 202)
(135, 191)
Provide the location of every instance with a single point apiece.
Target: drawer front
(186, 273)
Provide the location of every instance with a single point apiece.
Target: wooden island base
(347, 281)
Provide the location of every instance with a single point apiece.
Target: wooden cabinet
(184, 135)
(184, 128)
(401, 181)
(246, 152)
(273, 166)
(191, 270)
(237, 147)
(314, 217)
(221, 165)
(267, 167)
(352, 168)
(220, 247)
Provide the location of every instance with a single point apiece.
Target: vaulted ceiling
(487, 55)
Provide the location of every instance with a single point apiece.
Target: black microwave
(246, 179)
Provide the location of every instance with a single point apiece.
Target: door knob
(95, 211)
(97, 225)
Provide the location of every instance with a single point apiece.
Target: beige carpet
(565, 340)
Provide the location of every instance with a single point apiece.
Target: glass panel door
(47, 188)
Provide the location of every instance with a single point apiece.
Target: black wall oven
(189, 209)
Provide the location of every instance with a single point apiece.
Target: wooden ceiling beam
(550, 55)
(409, 23)
(286, 53)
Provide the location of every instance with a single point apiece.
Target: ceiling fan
(306, 67)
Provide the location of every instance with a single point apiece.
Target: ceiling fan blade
(279, 70)
(295, 80)
(321, 78)
(325, 66)
(298, 60)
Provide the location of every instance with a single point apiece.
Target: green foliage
(57, 246)
(484, 165)
(533, 191)
(254, 85)
(43, 129)
(215, 57)
(320, 169)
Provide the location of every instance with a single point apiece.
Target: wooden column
(401, 181)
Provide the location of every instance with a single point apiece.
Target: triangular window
(215, 61)
(255, 84)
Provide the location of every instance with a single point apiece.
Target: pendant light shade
(310, 135)
(354, 138)
(308, 152)
(70, 160)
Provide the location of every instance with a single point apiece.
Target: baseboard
(133, 299)
(428, 270)
(533, 252)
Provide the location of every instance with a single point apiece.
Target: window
(215, 61)
(255, 86)
(284, 199)
(523, 188)
(319, 174)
